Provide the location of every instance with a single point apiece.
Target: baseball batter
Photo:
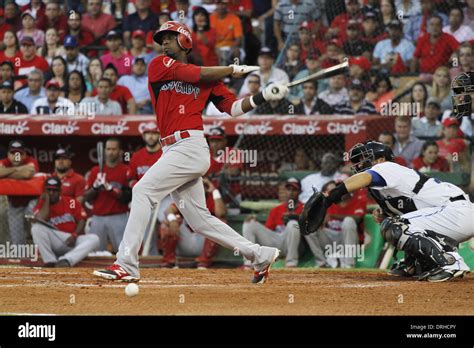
(422, 216)
(179, 93)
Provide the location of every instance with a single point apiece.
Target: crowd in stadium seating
(90, 57)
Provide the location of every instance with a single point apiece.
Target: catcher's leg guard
(209, 251)
(168, 245)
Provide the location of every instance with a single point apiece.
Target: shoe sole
(128, 279)
(264, 279)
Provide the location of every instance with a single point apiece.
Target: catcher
(422, 216)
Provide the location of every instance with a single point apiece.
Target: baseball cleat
(116, 272)
(260, 277)
(446, 275)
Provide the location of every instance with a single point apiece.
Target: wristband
(257, 99)
(171, 217)
(335, 196)
(216, 194)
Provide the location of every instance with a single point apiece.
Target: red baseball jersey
(141, 161)
(72, 184)
(453, 146)
(179, 97)
(357, 205)
(65, 214)
(106, 202)
(441, 165)
(275, 217)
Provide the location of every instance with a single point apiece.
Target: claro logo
(295, 128)
(109, 129)
(346, 128)
(19, 128)
(262, 128)
(59, 129)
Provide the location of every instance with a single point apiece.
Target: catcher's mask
(463, 88)
(362, 156)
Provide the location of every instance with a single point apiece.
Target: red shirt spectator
(276, 215)
(29, 60)
(72, 184)
(3, 26)
(83, 35)
(431, 55)
(451, 146)
(340, 22)
(120, 94)
(441, 165)
(65, 214)
(206, 49)
(52, 19)
(141, 161)
(106, 202)
(356, 205)
(401, 161)
(98, 23)
(38, 7)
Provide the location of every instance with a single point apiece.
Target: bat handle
(275, 90)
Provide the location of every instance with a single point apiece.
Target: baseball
(132, 290)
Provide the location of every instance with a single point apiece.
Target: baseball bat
(32, 218)
(100, 156)
(387, 257)
(151, 230)
(322, 74)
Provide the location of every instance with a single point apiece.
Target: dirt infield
(229, 292)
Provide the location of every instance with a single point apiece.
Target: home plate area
(47, 291)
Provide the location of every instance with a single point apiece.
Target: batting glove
(273, 91)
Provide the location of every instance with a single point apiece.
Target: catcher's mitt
(313, 213)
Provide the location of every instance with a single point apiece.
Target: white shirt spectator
(335, 98)
(63, 107)
(93, 106)
(413, 9)
(317, 180)
(467, 123)
(80, 64)
(276, 74)
(24, 96)
(138, 86)
(188, 19)
(464, 33)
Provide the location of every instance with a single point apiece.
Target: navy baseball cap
(7, 85)
(293, 182)
(112, 35)
(70, 41)
(357, 84)
(16, 145)
(53, 183)
(216, 133)
(62, 153)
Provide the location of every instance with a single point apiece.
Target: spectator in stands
(419, 95)
(33, 91)
(419, 25)
(310, 104)
(8, 105)
(120, 94)
(312, 66)
(116, 55)
(53, 18)
(407, 145)
(354, 45)
(469, 14)
(137, 83)
(143, 19)
(359, 68)
(388, 139)
(66, 245)
(83, 36)
(465, 60)
(371, 31)
(455, 27)
(4, 26)
(387, 12)
(339, 230)
(228, 30)
(12, 16)
(11, 47)
(101, 104)
(183, 13)
(441, 88)
(281, 228)
(433, 49)
(429, 160)
(334, 54)
(58, 72)
(138, 48)
(51, 47)
(96, 21)
(272, 107)
(268, 71)
(53, 104)
(177, 238)
(339, 24)
(29, 60)
(408, 8)
(204, 37)
(337, 93)
(308, 43)
(28, 22)
(330, 164)
(7, 72)
(74, 59)
(428, 126)
(453, 147)
(300, 161)
(94, 73)
(75, 87)
(292, 64)
(18, 165)
(110, 195)
(395, 53)
(73, 184)
(382, 94)
(357, 104)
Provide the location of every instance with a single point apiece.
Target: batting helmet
(184, 34)
(463, 87)
(363, 155)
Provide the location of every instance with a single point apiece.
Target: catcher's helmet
(463, 87)
(184, 38)
(362, 155)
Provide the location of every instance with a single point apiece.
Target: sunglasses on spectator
(254, 81)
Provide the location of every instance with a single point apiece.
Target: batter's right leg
(255, 232)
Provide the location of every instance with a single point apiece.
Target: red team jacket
(106, 203)
(65, 214)
(275, 217)
(141, 161)
(72, 184)
(355, 206)
(178, 88)
(20, 201)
